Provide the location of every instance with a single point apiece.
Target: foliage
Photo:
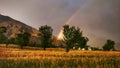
(23, 39)
(82, 42)
(12, 41)
(7, 42)
(95, 48)
(68, 33)
(73, 36)
(34, 44)
(45, 36)
(3, 29)
(109, 45)
(3, 38)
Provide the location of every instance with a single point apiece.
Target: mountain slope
(14, 27)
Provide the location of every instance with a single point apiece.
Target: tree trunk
(67, 48)
(21, 47)
(6, 45)
(44, 48)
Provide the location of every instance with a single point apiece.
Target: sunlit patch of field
(31, 57)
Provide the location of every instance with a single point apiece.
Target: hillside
(14, 27)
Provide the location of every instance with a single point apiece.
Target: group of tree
(73, 36)
(22, 39)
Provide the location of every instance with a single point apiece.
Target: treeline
(72, 38)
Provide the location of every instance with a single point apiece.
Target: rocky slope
(14, 27)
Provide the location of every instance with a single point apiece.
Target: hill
(15, 27)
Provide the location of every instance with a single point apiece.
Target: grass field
(13, 57)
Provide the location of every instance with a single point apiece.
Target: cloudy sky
(98, 17)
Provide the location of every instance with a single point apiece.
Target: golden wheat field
(30, 57)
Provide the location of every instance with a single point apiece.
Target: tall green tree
(109, 45)
(68, 33)
(79, 39)
(73, 36)
(23, 39)
(45, 36)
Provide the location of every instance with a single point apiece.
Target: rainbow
(60, 34)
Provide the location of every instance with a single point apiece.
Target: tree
(23, 39)
(7, 42)
(3, 38)
(12, 41)
(73, 36)
(82, 42)
(68, 33)
(3, 29)
(109, 45)
(79, 39)
(45, 36)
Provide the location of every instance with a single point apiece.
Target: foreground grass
(57, 58)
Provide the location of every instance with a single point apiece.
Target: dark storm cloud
(100, 17)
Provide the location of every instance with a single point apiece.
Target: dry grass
(57, 58)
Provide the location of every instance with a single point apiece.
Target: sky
(98, 17)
